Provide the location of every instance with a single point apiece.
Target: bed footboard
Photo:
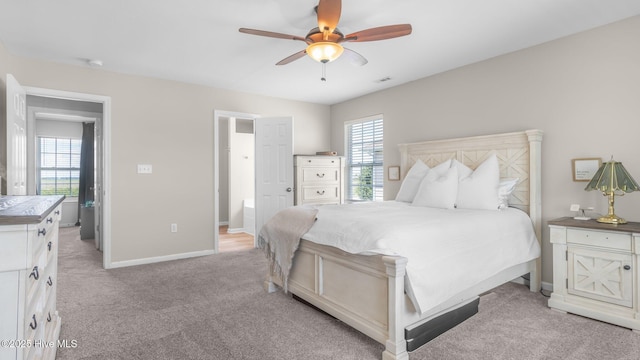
(365, 292)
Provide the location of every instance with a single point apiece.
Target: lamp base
(611, 219)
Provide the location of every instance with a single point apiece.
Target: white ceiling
(197, 41)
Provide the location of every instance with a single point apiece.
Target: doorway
(234, 177)
(102, 184)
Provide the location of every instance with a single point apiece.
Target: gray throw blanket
(280, 237)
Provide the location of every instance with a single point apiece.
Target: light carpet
(214, 307)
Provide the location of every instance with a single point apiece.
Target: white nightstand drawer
(612, 240)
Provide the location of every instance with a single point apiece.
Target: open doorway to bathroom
(236, 181)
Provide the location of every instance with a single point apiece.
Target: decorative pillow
(479, 190)
(411, 182)
(463, 170)
(442, 168)
(438, 190)
(505, 189)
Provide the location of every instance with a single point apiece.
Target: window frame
(40, 168)
(377, 159)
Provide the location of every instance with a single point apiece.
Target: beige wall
(583, 91)
(169, 125)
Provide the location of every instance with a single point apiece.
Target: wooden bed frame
(367, 292)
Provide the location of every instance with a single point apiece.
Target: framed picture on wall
(393, 173)
(585, 169)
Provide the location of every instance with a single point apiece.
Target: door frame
(217, 114)
(106, 147)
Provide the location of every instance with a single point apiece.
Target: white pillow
(411, 182)
(463, 170)
(505, 189)
(442, 168)
(479, 190)
(438, 190)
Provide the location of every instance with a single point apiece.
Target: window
(59, 166)
(364, 159)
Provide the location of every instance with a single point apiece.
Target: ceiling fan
(324, 42)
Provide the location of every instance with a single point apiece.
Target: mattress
(448, 250)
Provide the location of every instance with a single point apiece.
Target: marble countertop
(16, 210)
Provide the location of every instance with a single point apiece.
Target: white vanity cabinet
(319, 179)
(29, 321)
(596, 270)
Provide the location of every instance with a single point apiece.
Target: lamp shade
(324, 51)
(612, 176)
(612, 179)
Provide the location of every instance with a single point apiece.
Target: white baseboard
(235, 230)
(151, 260)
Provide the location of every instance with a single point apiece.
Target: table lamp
(612, 179)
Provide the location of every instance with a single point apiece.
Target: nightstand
(596, 270)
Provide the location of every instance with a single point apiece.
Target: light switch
(145, 169)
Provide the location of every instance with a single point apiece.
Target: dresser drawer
(619, 241)
(320, 175)
(320, 193)
(34, 322)
(318, 161)
(36, 276)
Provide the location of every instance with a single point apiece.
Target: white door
(274, 167)
(16, 138)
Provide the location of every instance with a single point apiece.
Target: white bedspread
(448, 251)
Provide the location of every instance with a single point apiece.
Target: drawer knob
(50, 282)
(49, 245)
(35, 273)
(320, 175)
(34, 323)
(57, 212)
(50, 220)
(42, 232)
(320, 192)
(627, 267)
(289, 189)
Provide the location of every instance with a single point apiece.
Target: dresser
(29, 321)
(596, 270)
(318, 179)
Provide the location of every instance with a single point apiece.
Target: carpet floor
(214, 307)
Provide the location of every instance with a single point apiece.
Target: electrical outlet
(145, 169)
(574, 207)
(174, 228)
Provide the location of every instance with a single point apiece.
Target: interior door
(274, 167)
(16, 138)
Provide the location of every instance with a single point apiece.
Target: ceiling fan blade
(271, 34)
(353, 57)
(328, 14)
(379, 33)
(293, 57)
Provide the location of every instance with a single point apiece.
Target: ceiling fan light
(324, 51)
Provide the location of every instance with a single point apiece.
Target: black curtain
(86, 168)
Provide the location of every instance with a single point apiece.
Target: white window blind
(59, 166)
(364, 160)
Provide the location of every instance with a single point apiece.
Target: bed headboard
(518, 153)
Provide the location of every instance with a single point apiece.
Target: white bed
(367, 291)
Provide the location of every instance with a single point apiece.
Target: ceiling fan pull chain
(324, 72)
